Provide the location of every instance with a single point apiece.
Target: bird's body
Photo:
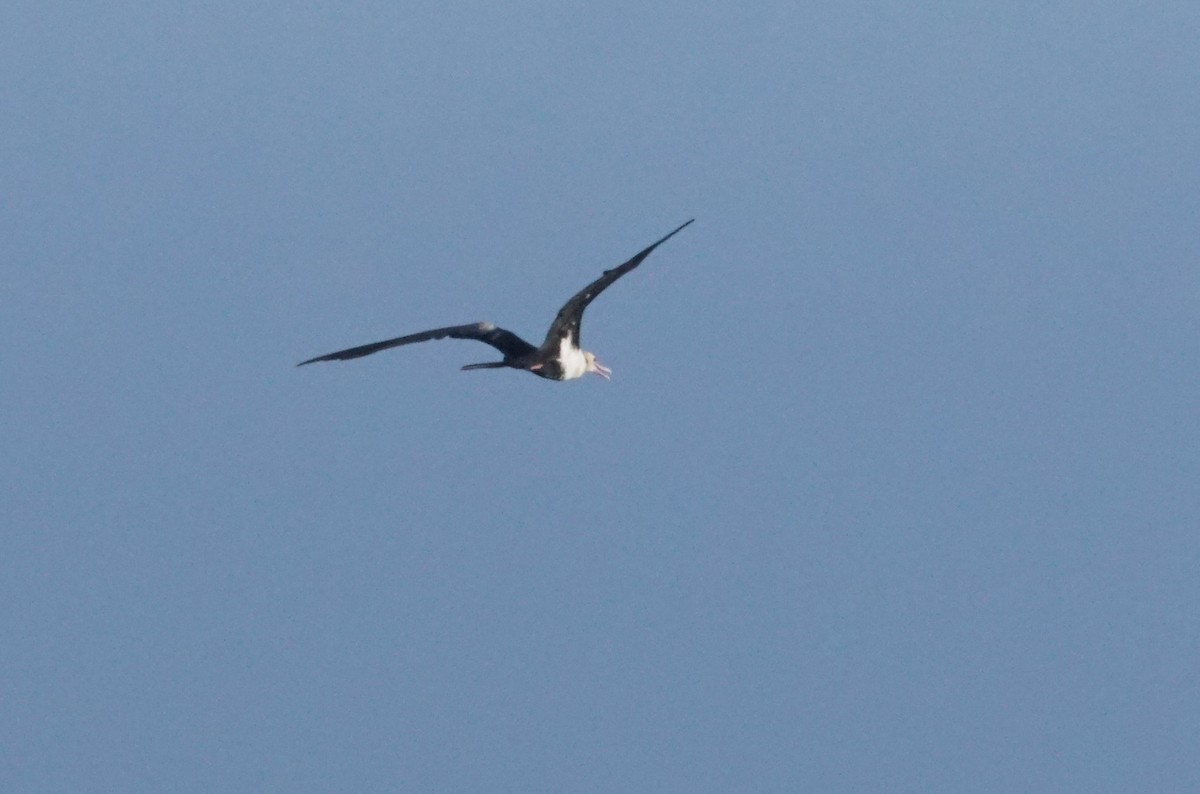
(572, 362)
(559, 357)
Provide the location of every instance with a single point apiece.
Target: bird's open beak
(602, 371)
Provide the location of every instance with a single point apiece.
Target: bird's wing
(506, 342)
(571, 314)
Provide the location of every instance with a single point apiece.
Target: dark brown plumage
(558, 358)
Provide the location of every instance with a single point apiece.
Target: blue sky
(894, 488)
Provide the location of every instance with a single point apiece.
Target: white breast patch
(574, 365)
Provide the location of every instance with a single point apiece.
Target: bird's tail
(488, 365)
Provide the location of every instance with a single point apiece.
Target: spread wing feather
(508, 343)
(571, 314)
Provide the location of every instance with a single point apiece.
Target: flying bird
(559, 357)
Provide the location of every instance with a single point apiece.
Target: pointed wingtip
(677, 230)
(680, 228)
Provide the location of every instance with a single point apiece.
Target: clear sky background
(895, 487)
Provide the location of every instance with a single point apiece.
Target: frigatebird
(559, 357)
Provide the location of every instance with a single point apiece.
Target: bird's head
(595, 366)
